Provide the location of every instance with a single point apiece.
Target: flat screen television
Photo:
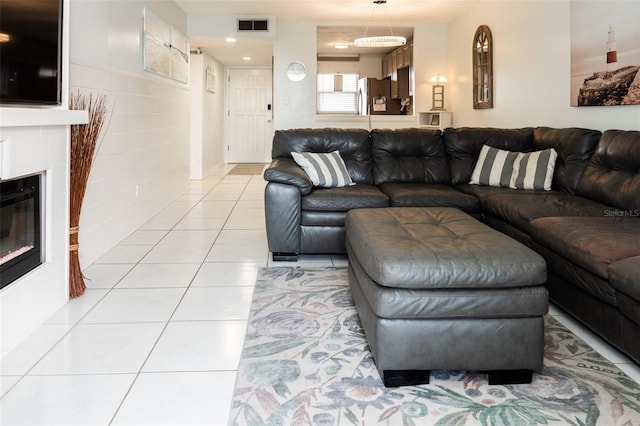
(30, 52)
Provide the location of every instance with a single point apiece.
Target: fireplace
(20, 227)
(35, 142)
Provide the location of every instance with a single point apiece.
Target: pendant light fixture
(379, 41)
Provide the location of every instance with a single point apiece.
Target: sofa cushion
(463, 146)
(326, 170)
(344, 198)
(574, 276)
(592, 243)
(574, 147)
(613, 175)
(354, 146)
(519, 210)
(409, 155)
(482, 192)
(429, 195)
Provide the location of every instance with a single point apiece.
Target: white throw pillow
(534, 170)
(324, 170)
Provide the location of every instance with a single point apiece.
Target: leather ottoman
(438, 290)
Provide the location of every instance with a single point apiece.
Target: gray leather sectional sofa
(587, 227)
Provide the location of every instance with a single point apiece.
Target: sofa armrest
(283, 214)
(286, 171)
(624, 277)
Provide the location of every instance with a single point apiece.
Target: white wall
(370, 66)
(214, 113)
(196, 96)
(142, 163)
(294, 103)
(532, 69)
(206, 116)
(429, 59)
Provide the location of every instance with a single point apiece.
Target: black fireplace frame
(11, 192)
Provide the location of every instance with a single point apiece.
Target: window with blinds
(337, 94)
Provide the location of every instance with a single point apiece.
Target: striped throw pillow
(494, 167)
(534, 170)
(324, 170)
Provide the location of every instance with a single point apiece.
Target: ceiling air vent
(253, 25)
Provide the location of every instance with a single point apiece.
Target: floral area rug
(306, 362)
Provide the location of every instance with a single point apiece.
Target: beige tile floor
(157, 337)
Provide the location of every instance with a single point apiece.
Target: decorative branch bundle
(84, 138)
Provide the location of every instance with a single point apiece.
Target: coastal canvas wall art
(605, 52)
(165, 50)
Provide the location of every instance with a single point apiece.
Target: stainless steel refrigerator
(374, 97)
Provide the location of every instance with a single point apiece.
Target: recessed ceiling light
(341, 45)
(230, 40)
(246, 58)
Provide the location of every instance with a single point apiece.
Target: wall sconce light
(438, 93)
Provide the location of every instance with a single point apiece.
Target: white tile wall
(142, 163)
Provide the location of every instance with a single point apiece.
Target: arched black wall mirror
(482, 68)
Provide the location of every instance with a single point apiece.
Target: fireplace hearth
(20, 227)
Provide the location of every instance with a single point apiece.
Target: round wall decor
(296, 71)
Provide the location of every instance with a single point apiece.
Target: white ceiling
(395, 13)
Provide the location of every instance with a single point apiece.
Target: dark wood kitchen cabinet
(397, 65)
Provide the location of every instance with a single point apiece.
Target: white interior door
(249, 116)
